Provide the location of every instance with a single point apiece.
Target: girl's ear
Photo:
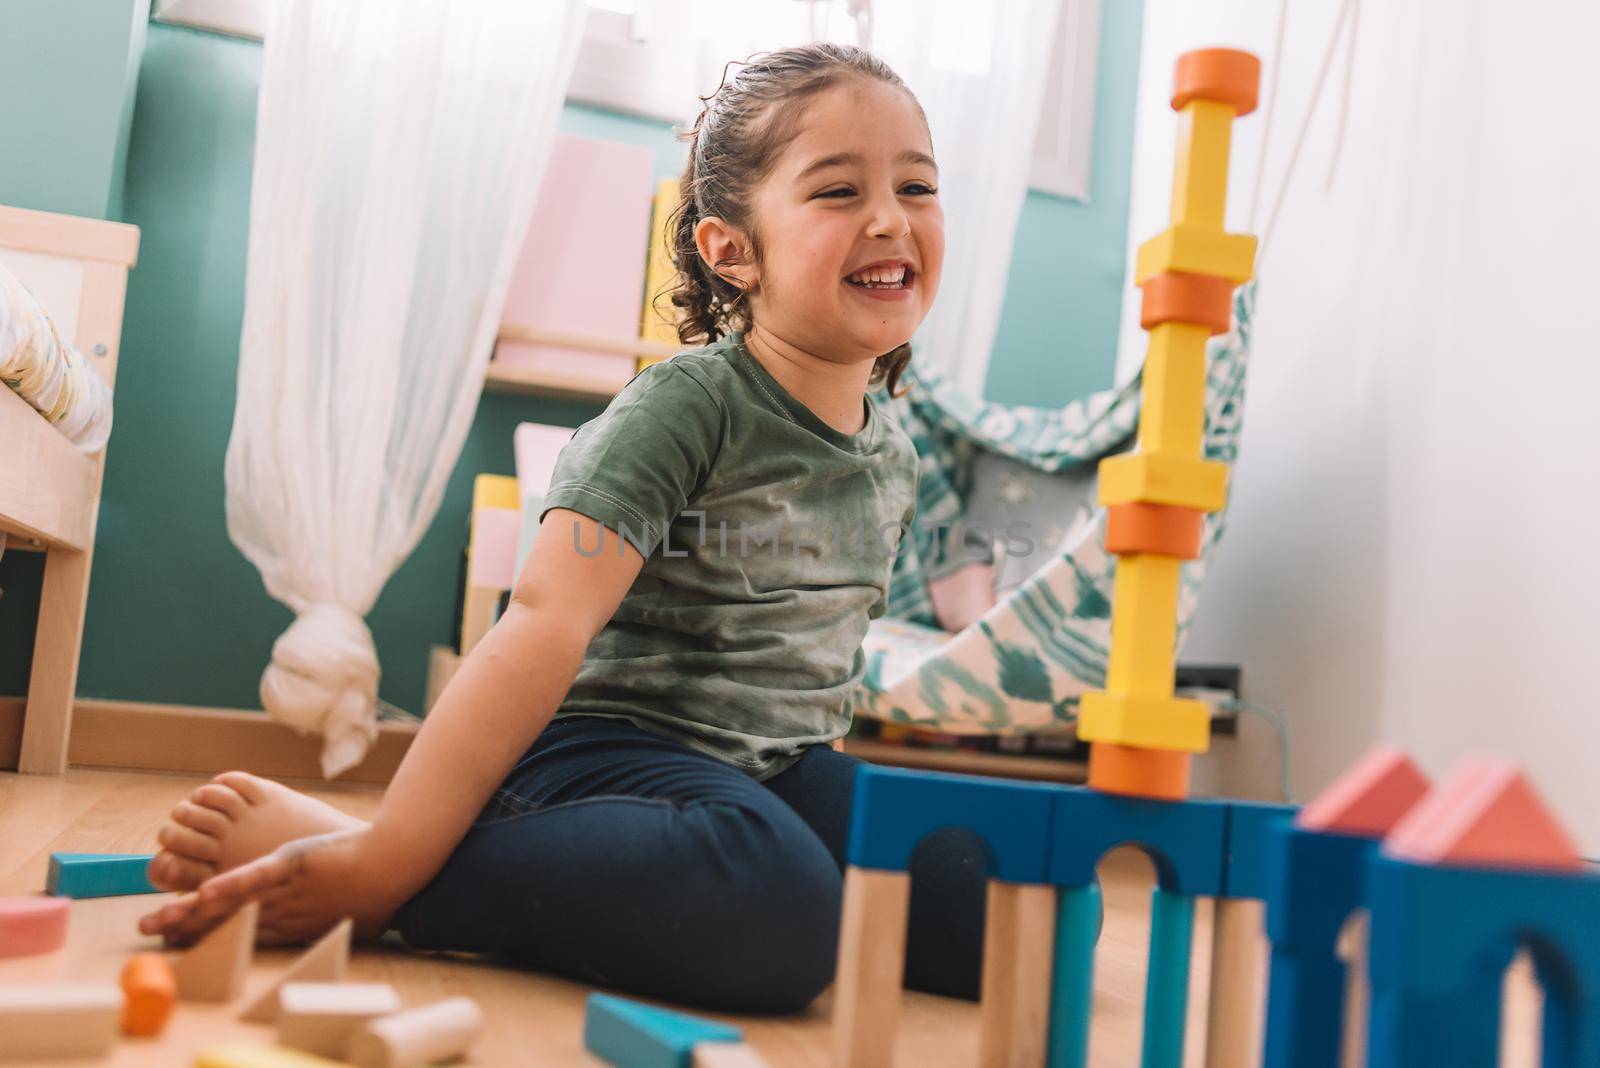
(720, 243)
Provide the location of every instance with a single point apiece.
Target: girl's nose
(889, 219)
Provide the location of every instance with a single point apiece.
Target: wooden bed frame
(49, 490)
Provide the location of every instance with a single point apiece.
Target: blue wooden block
(1078, 913)
(98, 874)
(629, 1034)
(893, 809)
(1166, 991)
(1184, 839)
(1245, 873)
(1314, 881)
(1441, 937)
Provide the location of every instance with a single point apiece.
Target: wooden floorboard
(532, 1019)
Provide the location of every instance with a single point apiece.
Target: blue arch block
(1314, 881)
(893, 809)
(1184, 839)
(1441, 938)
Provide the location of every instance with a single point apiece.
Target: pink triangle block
(1370, 798)
(32, 925)
(1484, 815)
(494, 547)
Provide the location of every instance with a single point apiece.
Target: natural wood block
(326, 961)
(872, 958)
(1238, 950)
(726, 1055)
(214, 970)
(68, 1020)
(1018, 951)
(320, 1017)
(438, 1032)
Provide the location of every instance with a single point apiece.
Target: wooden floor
(532, 1019)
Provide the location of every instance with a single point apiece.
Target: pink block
(1484, 815)
(537, 446)
(494, 548)
(32, 925)
(582, 267)
(1370, 798)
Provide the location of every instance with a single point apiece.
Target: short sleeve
(635, 466)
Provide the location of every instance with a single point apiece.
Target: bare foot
(232, 820)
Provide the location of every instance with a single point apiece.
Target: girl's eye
(926, 190)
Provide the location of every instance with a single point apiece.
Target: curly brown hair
(734, 143)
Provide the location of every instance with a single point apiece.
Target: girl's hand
(305, 888)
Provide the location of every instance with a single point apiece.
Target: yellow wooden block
(660, 317)
(1197, 250)
(251, 1056)
(1173, 416)
(1162, 478)
(1200, 174)
(1146, 722)
(1144, 625)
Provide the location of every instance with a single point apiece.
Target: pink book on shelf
(582, 266)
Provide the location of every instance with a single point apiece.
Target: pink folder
(582, 266)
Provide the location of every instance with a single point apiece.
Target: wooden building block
(150, 992)
(1200, 168)
(726, 1055)
(250, 1056)
(1162, 478)
(1134, 772)
(1369, 798)
(64, 1020)
(214, 970)
(1145, 722)
(632, 1034)
(32, 925)
(98, 874)
(442, 1031)
(1484, 815)
(1195, 249)
(319, 1018)
(324, 962)
(1174, 297)
(872, 957)
(1173, 413)
(1166, 529)
(1018, 950)
(1144, 626)
(1238, 940)
(1226, 75)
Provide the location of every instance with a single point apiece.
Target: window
(645, 57)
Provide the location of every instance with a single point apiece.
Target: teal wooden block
(98, 874)
(1166, 994)
(629, 1034)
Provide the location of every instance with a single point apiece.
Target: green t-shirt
(742, 635)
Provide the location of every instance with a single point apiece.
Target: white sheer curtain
(979, 71)
(399, 147)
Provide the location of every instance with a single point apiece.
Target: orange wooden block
(1133, 772)
(32, 925)
(1177, 297)
(150, 990)
(1370, 798)
(1168, 529)
(1226, 75)
(1484, 815)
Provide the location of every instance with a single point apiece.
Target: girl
(629, 781)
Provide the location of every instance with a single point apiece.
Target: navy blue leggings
(621, 858)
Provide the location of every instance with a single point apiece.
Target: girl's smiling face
(856, 186)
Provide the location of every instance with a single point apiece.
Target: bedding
(51, 375)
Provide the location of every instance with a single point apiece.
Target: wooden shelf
(1046, 769)
(500, 378)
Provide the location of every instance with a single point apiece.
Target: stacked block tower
(1157, 497)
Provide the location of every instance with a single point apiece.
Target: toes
(187, 842)
(224, 799)
(250, 787)
(203, 819)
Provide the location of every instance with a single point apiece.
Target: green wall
(176, 614)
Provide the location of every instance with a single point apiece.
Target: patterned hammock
(1022, 666)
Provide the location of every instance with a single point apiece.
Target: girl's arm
(504, 693)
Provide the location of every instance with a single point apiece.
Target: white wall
(1412, 551)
